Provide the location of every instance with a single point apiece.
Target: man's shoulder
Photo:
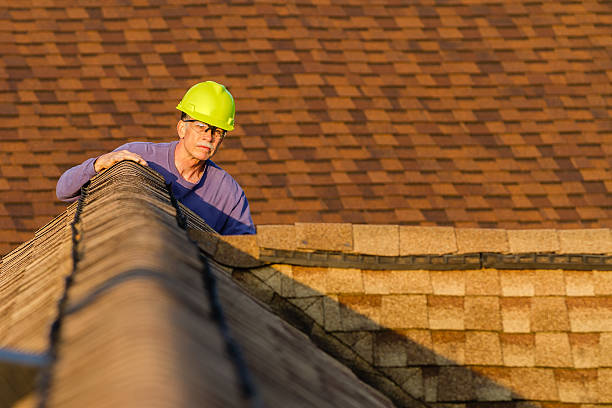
(218, 173)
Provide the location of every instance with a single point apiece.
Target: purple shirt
(217, 197)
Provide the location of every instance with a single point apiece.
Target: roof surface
(426, 316)
(453, 113)
(144, 320)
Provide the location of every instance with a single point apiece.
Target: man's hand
(107, 160)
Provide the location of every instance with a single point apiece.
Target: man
(208, 112)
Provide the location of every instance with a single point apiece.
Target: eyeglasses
(202, 128)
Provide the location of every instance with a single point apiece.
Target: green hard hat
(210, 103)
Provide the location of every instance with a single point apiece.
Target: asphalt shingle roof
(456, 113)
(123, 310)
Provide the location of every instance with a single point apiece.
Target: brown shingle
(518, 350)
(534, 383)
(394, 311)
(516, 313)
(446, 312)
(449, 347)
(552, 350)
(482, 313)
(397, 92)
(587, 349)
(549, 314)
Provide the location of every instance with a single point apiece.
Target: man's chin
(203, 153)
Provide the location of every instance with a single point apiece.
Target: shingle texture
(136, 317)
(140, 324)
(459, 113)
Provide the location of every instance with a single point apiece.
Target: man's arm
(239, 221)
(69, 184)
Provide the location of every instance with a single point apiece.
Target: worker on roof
(207, 115)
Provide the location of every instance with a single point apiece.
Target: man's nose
(207, 134)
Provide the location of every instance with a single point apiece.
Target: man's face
(200, 140)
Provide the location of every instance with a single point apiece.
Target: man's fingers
(127, 155)
(107, 160)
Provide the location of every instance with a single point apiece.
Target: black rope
(247, 386)
(55, 331)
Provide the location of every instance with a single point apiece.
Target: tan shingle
(445, 312)
(451, 283)
(404, 311)
(586, 241)
(330, 237)
(517, 283)
(535, 383)
(590, 314)
(343, 281)
(579, 283)
(533, 241)
(549, 282)
(482, 282)
(552, 350)
(516, 313)
(518, 350)
(587, 349)
(482, 348)
(427, 240)
(576, 386)
(471, 240)
(389, 282)
(604, 382)
(376, 239)
(549, 314)
(482, 313)
(449, 347)
(276, 236)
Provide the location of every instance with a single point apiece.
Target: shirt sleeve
(239, 221)
(69, 184)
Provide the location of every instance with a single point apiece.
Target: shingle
(394, 307)
(376, 239)
(549, 282)
(344, 281)
(482, 282)
(589, 350)
(552, 350)
(330, 237)
(482, 313)
(482, 348)
(577, 385)
(589, 314)
(516, 314)
(427, 240)
(586, 241)
(446, 312)
(604, 383)
(360, 312)
(471, 240)
(518, 350)
(395, 282)
(549, 314)
(533, 241)
(449, 347)
(579, 283)
(276, 236)
(533, 383)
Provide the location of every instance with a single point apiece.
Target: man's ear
(180, 129)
